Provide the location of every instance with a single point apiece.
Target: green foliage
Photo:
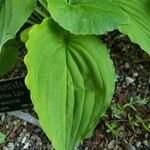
(2, 138)
(112, 128)
(71, 77)
(13, 14)
(9, 53)
(139, 27)
(130, 105)
(134, 102)
(117, 111)
(129, 114)
(86, 17)
(72, 83)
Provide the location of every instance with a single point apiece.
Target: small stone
(127, 65)
(138, 131)
(117, 76)
(117, 147)
(146, 135)
(23, 140)
(123, 86)
(118, 88)
(141, 67)
(21, 134)
(76, 148)
(138, 144)
(24, 123)
(24, 130)
(111, 144)
(3, 117)
(37, 138)
(130, 80)
(26, 146)
(33, 137)
(19, 139)
(101, 145)
(136, 74)
(7, 126)
(131, 147)
(27, 134)
(5, 148)
(39, 143)
(15, 123)
(11, 146)
(145, 142)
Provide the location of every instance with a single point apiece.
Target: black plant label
(14, 95)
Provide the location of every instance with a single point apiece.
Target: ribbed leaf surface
(13, 14)
(87, 16)
(139, 28)
(71, 79)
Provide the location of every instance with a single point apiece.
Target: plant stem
(38, 10)
(19, 58)
(37, 15)
(31, 22)
(44, 5)
(35, 20)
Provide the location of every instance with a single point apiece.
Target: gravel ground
(133, 79)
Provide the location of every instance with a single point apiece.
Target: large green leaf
(8, 56)
(71, 79)
(86, 16)
(13, 14)
(139, 28)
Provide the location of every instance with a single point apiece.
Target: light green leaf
(2, 138)
(24, 36)
(139, 28)
(86, 16)
(13, 14)
(71, 79)
(8, 56)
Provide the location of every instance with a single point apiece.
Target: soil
(133, 79)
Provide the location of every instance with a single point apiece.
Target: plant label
(14, 95)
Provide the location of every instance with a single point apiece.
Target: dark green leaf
(8, 56)
(13, 14)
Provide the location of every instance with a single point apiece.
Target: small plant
(70, 74)
(128, 113)
(112, 128)
(2, 138)
(117, 111)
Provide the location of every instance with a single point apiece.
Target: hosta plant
(70, 74)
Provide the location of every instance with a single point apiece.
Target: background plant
(2, 138)
(127, 113)
(70, 74)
